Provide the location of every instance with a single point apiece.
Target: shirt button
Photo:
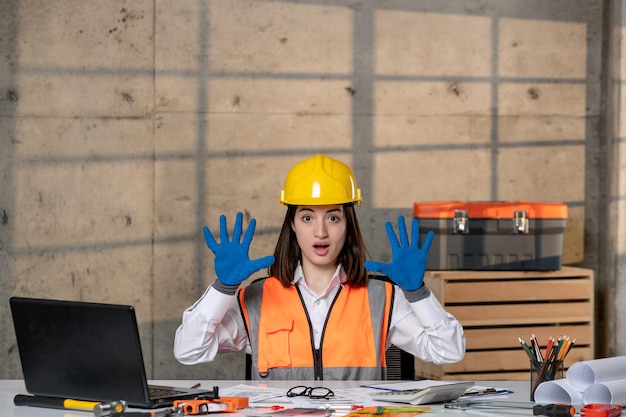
(317, 302)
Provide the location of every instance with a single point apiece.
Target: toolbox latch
(520, 222)
(461, 223)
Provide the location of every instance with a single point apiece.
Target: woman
(318, 315)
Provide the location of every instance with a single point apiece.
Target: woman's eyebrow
(333, 210)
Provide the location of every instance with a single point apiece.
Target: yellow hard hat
(320, 181)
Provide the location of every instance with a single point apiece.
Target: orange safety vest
(353, 341)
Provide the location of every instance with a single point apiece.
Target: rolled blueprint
(558, 391)
(609, 392)
(582, 375)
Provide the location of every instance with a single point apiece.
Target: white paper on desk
(342, 399)
(558, 391)
(258, 395)
(609, 392)
(586, 373)
(266, 397)
(408, 385)
(358, 395)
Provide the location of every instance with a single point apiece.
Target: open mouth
(321, 248)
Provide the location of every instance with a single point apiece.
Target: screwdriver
(554, 410)
(166, 412)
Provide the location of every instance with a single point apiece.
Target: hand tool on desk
(202, 405)
(492, 408)
(490, 404)
(601, 410)
(107, 409)
(188, 408)
(385, 409)
(68, 403)
(547, 410)
(166, 412)
(554, 410)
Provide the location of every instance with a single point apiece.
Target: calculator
(428, 395)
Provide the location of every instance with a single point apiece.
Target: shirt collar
(339, 277)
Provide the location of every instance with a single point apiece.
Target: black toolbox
(517, 235)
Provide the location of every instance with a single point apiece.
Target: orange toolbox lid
(489, 209)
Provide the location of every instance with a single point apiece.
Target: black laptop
(86, 351)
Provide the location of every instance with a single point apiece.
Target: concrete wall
(125, 126)
(616, 331)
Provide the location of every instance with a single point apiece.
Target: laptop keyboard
(156, 392)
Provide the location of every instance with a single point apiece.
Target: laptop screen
(80, 350)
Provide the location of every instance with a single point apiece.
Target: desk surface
(10, 388)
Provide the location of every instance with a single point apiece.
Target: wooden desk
(10, 388)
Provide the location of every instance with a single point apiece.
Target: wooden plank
(501, 314)
(496, 376)
(523, 314)
(506, 291)
(474, 376)
(506, 360)
(507, 337)
(431, 371)
(436, 286)
(564, 272)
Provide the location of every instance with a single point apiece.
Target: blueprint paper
(600, 381)
(584, 374)
(558, 391)
(609, 392)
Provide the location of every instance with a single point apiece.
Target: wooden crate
(497, 307)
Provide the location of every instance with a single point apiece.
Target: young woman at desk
(318, 315)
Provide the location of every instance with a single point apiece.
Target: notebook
(86, 351)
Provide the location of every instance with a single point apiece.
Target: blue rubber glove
(232, 262)
(408, 260)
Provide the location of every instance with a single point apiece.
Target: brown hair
(352, 257)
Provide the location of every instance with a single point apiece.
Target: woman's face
(321, 233)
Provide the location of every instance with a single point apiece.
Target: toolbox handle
(520, 222)
(461, 222)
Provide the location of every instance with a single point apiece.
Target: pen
(54, 402)
(196, 386)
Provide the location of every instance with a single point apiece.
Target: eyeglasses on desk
(311, 392)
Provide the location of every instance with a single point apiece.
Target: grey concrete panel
(127, 126)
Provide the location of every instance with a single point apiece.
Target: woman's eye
(306, 218)
(334, 219)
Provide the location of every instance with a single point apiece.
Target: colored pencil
(556, 349)
(529, 352)
(535, 344)
(549, 346)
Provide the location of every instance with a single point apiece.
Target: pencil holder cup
(542, 372)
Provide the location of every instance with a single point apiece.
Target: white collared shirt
(318, 306)
(213, 324)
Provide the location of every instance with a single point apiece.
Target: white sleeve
(211, 325)
(427, 331)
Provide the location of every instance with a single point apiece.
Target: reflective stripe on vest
(353, 340)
